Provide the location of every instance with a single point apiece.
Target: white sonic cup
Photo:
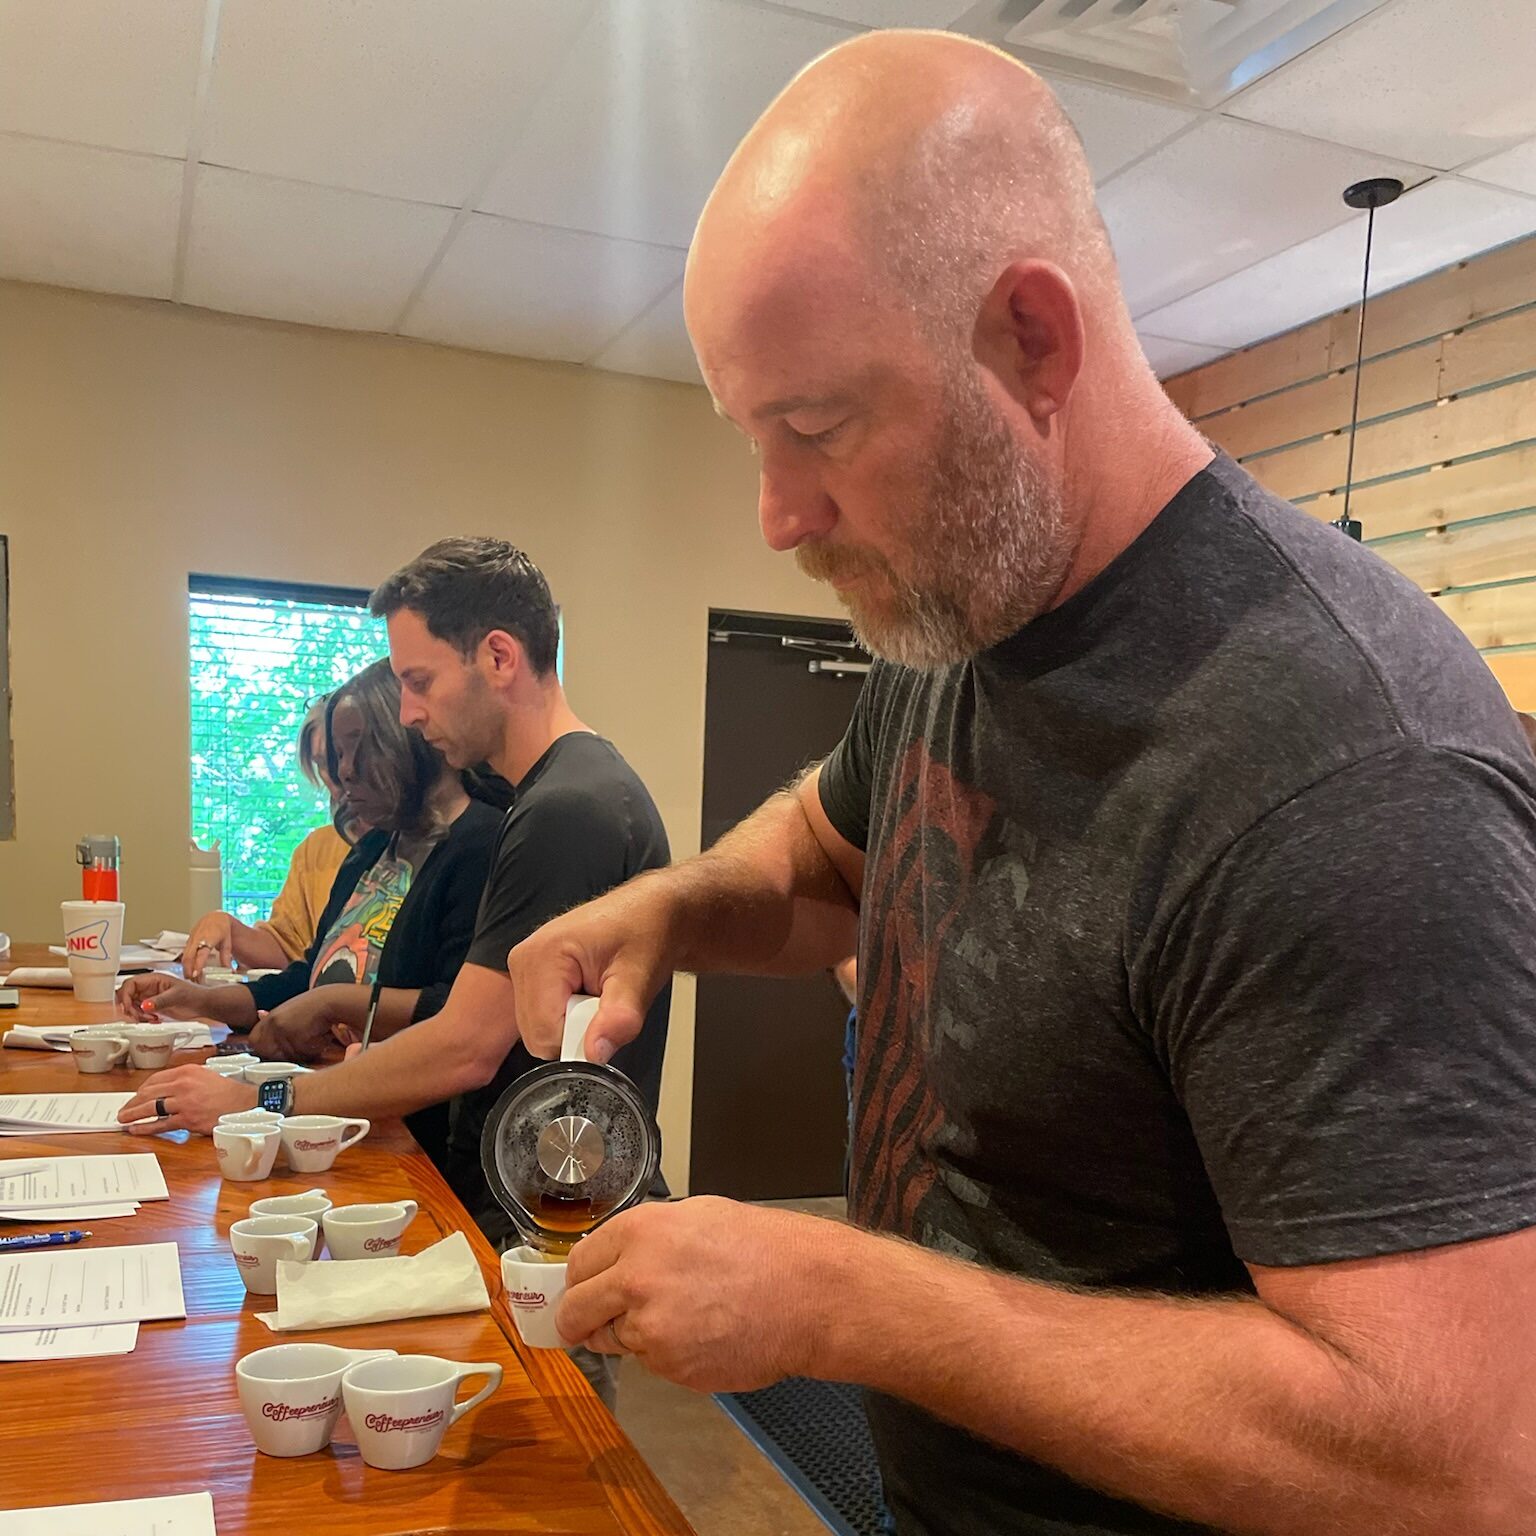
(534, 1289)
(291, 1394)
(400, 1409)
(93, 944)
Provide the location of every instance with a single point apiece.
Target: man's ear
(1029, 336)
(503, 653)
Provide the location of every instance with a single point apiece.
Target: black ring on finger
(161, 1112)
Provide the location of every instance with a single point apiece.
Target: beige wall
(139, 442)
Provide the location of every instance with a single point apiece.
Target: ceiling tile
(656, 345)
(647, 109)
(509, 287)
(1116, 128)
(1219, 198)
(288, 251)
(1428, 228)
(1169, 357)
(1514, 168)
(1439, 82)
(88, 218)
(101, 72)
(387, 96)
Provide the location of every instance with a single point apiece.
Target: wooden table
(542, 1454)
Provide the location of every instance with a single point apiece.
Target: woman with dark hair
(401, 911)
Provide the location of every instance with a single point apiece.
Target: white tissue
(440, 1279)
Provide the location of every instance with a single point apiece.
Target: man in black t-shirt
(473, 635)
(1193, 853)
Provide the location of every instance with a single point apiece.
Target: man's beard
(986, 548)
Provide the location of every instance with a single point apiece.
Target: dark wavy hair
(464, 588)
(398, 763)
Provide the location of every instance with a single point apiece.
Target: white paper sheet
(55, 1037)
(56, 976)
(133, 957)
(180, 1514)
(94, 1180)
(41, 1114)
(77, 1287)
(69, 1343)
(60, 1215)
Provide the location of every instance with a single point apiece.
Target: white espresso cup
(250, 1117)
(534, 1289)
(401, 1408)
(312, 1204)
(312, 1142)
(93, 944)
(98, 1053)
(150, 1045)
(267, 1071)
(259, 1242)
(367, 1231)
(246, 1152)
(231, 1066)
(291, 1394)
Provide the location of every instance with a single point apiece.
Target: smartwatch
(276, 1094)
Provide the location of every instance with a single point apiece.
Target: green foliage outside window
(256, 663)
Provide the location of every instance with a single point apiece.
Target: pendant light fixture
(1373, 193)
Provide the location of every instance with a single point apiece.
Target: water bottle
(99, 857)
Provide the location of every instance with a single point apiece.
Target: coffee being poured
(569, 1145)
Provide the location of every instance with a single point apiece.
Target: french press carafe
(569, 1144)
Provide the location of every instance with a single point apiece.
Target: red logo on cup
(387, 1423)
(248, 1259)
(282, 1412)
(313, 1146)
(81, 943)
(532, 1300)
(379, 1244)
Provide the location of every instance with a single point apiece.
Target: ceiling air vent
(1194, 51)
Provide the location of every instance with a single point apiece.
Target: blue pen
(41, 1240)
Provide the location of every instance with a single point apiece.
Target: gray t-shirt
(1198, 926)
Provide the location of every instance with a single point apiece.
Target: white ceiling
(523, 175)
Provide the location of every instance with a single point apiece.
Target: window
(259, 653)
(7, 802)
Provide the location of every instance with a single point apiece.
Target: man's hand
(302, 1029)
(194, 1100)
(616, 948)
(212, 938)
(713, 1295)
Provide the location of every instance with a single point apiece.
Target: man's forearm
(450, 1053)
(765, 900)
(397, 1007)
(1218, 1411)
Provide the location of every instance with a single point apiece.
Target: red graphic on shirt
(914, 891)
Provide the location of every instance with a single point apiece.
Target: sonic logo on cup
(386, 1423)
(282, 1412)
(379, 1244)
(91, 940)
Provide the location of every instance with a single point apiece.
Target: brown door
(770, 1106)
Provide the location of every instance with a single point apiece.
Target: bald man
(1194, 859)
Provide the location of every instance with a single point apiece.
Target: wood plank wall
(1445, 460)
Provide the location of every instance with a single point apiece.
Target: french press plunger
(569, 1144)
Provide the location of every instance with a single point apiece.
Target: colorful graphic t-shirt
(354, 942)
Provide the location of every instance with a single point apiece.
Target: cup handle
(352, 1141)
(252, 1155)
(120, 1053)
(490, 1369)
(410, 1208)
(297, 1243)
